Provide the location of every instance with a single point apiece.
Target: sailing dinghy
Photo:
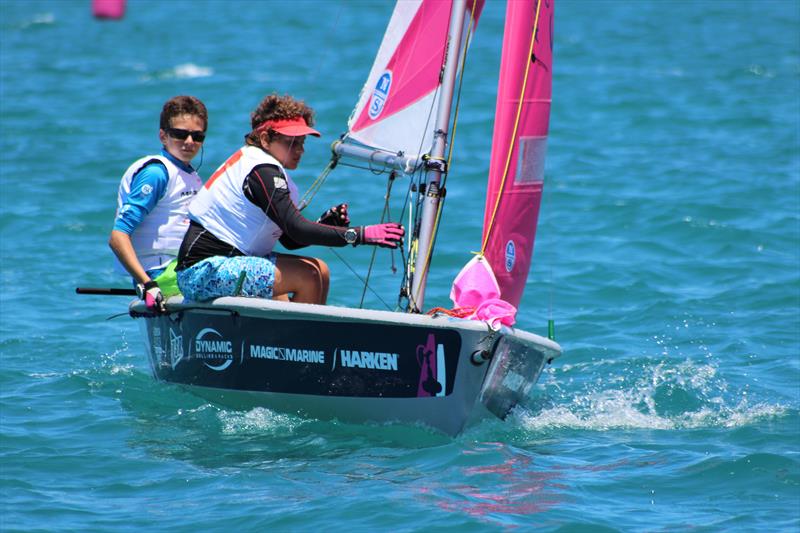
(362, 365)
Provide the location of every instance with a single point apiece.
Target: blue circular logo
(511, 255)
(380, 94)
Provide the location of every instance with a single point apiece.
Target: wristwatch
(351, 236)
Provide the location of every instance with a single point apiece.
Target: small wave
(40, 19)
(184, 71)
(190, 70)
(760, 71)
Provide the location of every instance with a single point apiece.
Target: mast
(436, 165)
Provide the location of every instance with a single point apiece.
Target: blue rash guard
(153, 179)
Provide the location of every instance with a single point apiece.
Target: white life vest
(223, 209)
(157, 239)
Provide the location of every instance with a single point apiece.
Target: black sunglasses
(181, 135)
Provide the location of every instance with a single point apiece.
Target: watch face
(140, 291)
(350, 236)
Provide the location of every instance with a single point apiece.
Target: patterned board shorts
(218, 276)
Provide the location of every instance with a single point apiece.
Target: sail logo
(361, 359)
(175, 348)
(380, 95)
(511, 255)
(279, 353)
(210, 344)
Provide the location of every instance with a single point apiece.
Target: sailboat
(441, 370)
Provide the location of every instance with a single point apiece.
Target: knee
(318, 271)
(322, 270)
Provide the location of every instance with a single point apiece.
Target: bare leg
(307, 278)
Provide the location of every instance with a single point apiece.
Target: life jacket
(222, 208)
(157, 239)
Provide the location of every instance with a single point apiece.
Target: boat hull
(353, 365)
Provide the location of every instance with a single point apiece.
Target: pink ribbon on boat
(475, 290)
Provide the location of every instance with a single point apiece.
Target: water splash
(663, 395)
(258, 420)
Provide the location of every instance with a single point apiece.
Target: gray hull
(353, 365)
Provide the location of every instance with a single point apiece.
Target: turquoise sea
(668, 255)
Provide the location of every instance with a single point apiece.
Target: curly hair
(183, 105)
(274, 107)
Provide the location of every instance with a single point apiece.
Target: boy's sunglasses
(181, 135)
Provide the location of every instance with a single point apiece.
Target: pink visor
(291, 127)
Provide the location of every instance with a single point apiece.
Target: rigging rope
(514, 132)
(389, 183)
(314, 188)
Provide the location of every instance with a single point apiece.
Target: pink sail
(517, 177)
(399, 100)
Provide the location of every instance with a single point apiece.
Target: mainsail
(399, 101)
(516, 172)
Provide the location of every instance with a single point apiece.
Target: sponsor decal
(211, 345)
(362, 359)
(279, 353)
(147, 189)
(432, 370)
(158, 350)
(340, 359)
(380, 95)
(511, 255)
(175, 348)
(280, 183)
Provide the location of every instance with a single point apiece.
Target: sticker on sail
(380, 95)
(511, 255)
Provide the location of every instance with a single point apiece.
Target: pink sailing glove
(151, 294)
(388, 235)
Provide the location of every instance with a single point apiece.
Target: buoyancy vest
(157, 239)
(223, 209)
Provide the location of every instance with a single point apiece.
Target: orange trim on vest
(225, 166)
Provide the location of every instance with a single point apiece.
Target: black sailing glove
(335, 216)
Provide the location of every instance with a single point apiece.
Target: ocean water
(668, 256)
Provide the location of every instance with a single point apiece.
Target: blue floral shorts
(218, 276)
